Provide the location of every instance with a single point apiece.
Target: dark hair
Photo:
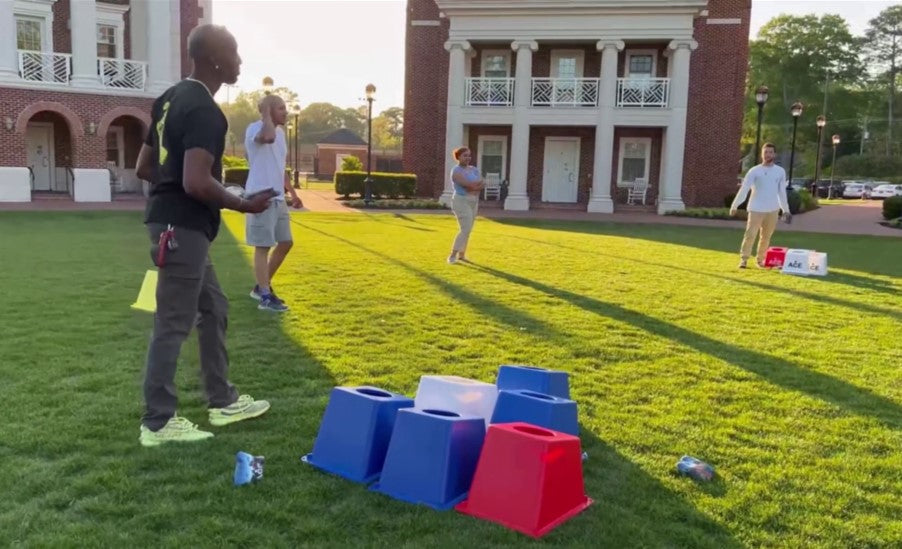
(768, 146)
(459, 151)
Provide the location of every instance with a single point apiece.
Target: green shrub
(233, 162)
(391, 185)
(235, 176)
(351, 164)
(795, 201)
(892, 207)
(412, 204)
(871, 166)
(809, 202)
(708, 213)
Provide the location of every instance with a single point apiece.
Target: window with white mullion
(29, 35)
(635, 159)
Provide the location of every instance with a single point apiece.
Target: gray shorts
(266, 229)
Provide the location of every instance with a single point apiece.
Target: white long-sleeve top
(768, 187)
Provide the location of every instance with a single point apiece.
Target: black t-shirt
(184, 117)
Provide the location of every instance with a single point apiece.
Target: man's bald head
(212, 48)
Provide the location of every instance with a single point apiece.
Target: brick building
(579, 102)
(77, 80)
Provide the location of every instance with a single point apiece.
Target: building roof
(343, 136)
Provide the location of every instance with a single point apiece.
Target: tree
(243, 109)
(319, 119)
(809, 59)
(388, 128)
(883, 42)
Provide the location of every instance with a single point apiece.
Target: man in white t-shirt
(767, 184)
(267, 150)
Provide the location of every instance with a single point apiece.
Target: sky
(329, 50)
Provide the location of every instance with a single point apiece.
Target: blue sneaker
(270, 302)
(255, 293)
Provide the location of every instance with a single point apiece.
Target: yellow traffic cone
(147, 297)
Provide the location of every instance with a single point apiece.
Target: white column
(600, 201)
(83, 23)
(517, 199)
(159, 46)
(454, 128)
(9, 57)
(675, 135)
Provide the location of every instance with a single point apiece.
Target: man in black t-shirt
(182, 156)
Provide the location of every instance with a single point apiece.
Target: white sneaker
(452, 259)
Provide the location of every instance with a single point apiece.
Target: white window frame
(41, 10)
(654, 62)
(112, 15)
(580, 56)
(480, 148)
(623, 142)
(486, 53)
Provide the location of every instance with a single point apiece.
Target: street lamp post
(821, 122)
(368, 182)
(833, 163)
(796, 112)
(761, 99)
(296, 109)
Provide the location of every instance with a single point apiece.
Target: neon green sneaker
(177, 429)
(243, 408)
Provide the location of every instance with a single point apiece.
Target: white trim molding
(724, 21)
(41, 10)
(425, 23)
(113, 15)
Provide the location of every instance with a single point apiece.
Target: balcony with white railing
(122, 73)
(643, 92)
(36, 66)
(490, 92)
(565, 92)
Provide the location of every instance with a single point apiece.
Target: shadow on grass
(776, 370)
(844, 251)
(632, 507)
(502, 313)
(384, 219)
(823, 298)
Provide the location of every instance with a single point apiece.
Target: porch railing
(643, 92)
(490, 92)
(39, 66)
(565, 92)
(122, 73)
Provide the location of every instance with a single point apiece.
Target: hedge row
(391, 185)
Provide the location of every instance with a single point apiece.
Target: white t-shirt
(266, 160)
(768, 187)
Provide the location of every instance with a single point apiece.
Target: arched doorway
(124, 137)
(50, 148)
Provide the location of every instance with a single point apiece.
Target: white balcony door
(561, 174)
(566, 66)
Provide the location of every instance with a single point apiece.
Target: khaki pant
(764, 224)
(465, 208)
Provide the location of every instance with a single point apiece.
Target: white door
(561, 174)
(39, 140)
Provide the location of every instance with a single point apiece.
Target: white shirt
(768, 187)
(266, 160)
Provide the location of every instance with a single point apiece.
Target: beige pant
(465, 208)
(763, 223)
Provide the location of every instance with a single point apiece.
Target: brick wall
(191, 13)
(62, 39)
(716, 97)
(84, 150)
(326, 164)
(654, 164)
(536, 167)
(425, 98)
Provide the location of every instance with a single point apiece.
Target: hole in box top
(533, 431)
(538, 395)
(443, 413)
(374, 392)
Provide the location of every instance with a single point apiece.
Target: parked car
(799, 183)
(824, 184)
(886, 190)
(857, 190)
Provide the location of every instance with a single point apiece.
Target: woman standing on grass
(467, 183)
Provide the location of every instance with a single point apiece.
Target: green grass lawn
(789, 386)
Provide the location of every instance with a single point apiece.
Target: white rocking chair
(492, 186)
(637, 191)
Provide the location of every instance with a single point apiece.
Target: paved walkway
(858, 217)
